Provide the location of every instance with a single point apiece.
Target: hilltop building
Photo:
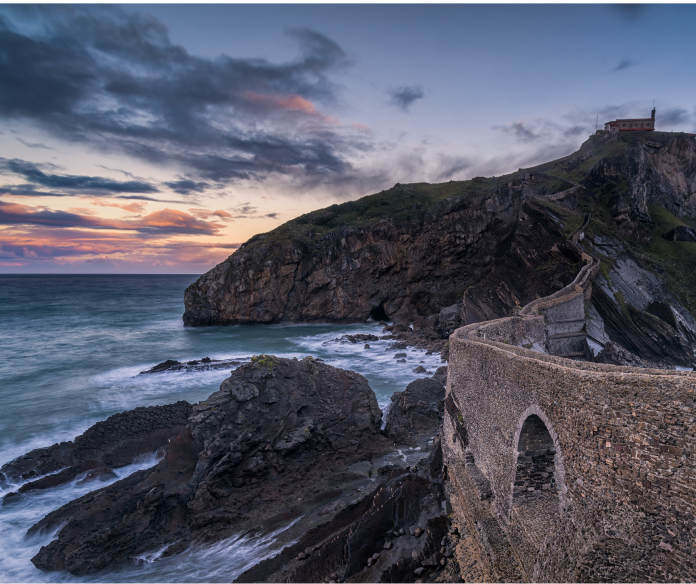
(632, 125)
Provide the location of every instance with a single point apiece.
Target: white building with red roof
(632, 125)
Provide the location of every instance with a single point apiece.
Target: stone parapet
(621, 506)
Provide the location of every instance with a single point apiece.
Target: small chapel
(632, 125)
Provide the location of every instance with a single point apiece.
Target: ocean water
(71, 348)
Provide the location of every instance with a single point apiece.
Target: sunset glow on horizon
(159, 138)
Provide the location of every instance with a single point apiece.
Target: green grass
(674, 261)
(572, 220)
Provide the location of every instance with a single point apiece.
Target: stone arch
(536, 449)
(537, 493)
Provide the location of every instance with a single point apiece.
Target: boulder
(416, 412)
(681, 233)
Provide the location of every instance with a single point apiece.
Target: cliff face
(657, 168)
(402, 264)
(476, 248)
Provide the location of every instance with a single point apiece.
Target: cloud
(32, 173)
(625, 64)
(134, 207)
(186, 187)
(165, 221)
(34, 144)
(206, 214)
(49, 249)
(673, 117)
(112, 79)
(521, 131)
(405, 96)
(452, 166)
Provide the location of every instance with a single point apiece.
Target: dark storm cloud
(575, 131)
(451, 166)
(113, 79)
(625, 64)
(403, 97)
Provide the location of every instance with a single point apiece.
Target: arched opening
(534, 476)
(536, 489)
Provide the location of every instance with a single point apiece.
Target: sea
(71, 350)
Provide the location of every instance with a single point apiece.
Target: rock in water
(113, 443)
(265, 446)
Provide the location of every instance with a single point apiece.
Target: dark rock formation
(637, 311)
(416, 413)
(353, 339)
(614, 354)
(400, 254)
(254, 453)
(658, 169)
(113, 443)
(204, 364)
(390, 534)
(419, 337)
(538, 256)
(681, 233)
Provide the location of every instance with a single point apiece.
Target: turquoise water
(71, 348)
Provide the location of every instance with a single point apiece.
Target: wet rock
(352, 339)
(367, 346)
(416, 412)
(420, 369)
(440, 375)
(115, 442)
(205, 364)
(264, 439)
(349, 540)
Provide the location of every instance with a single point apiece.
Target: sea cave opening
(378, 313)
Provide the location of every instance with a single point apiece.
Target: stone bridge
(563, 470)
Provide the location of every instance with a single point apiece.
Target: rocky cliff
(414, 249)
(440, 256)
(400, 254)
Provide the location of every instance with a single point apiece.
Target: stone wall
(621, 504)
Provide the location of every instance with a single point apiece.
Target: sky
(158, 138)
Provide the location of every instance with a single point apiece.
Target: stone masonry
(567, 470)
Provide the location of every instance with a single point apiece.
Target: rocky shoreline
(283, 442)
